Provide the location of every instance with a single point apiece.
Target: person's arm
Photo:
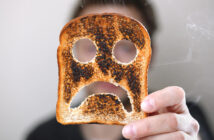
(169, 118)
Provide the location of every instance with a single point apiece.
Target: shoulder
(51, 129)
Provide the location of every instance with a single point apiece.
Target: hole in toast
(84, 50)
(102, 87)
(124, 51)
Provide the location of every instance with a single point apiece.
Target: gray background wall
(29, 32)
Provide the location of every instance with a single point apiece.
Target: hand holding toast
(169, 118)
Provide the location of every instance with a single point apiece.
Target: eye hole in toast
(84, 50)
(101, 87)
(124, 51)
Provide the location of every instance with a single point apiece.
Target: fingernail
(147, 105)
(129, 131)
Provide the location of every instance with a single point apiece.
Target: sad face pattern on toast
(105, 30)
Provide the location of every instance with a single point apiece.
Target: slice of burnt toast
(105, 30)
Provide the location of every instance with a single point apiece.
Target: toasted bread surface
(105, 30)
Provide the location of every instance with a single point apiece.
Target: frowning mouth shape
(101, 87)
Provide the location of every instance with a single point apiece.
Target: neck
(101, 132)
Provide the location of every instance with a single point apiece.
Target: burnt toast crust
(105, 30)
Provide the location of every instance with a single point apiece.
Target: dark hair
(145, 9)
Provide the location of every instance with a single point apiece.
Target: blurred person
(169, 115)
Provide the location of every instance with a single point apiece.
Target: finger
(178, 135)
(163, 123)
(167, 97)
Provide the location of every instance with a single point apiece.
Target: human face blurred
(124, 51)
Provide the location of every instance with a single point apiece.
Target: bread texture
(105, 30)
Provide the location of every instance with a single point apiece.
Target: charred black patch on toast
(74, 71)
(117, 71)
(104, 39)
(104, 63)
(103, 60)
(78, 71)
(104, 56)
(103, 105)
(134, 84)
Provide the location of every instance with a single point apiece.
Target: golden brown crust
(104, 30)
